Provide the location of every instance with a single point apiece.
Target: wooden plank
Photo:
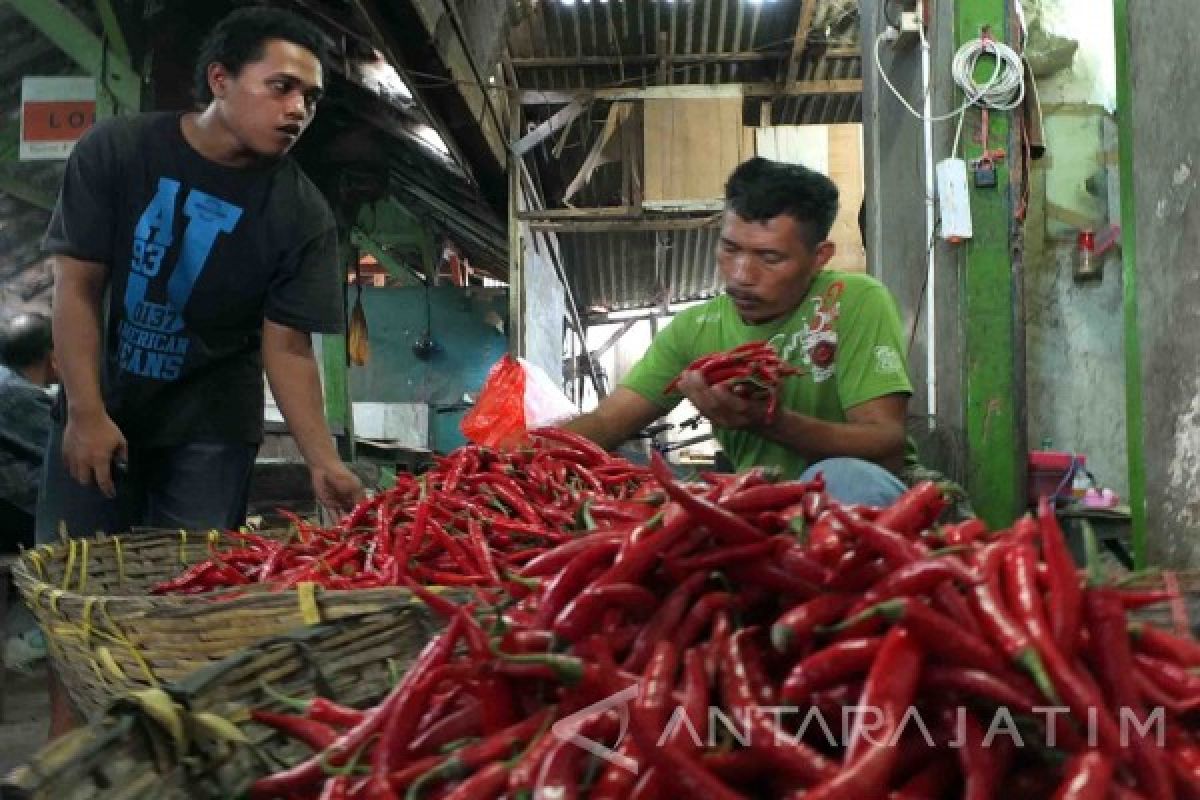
(800, 42)
(563, 117)
(625, 225)
(695, 91)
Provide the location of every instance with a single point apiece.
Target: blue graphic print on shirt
(150, 341)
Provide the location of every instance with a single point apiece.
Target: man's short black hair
(240, 39)
(761, 189)
(25, 340)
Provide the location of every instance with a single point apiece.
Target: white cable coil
(1003, 91)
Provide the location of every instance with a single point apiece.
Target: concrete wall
(1075, 364)
(896, 242)
(545, 308)
(1166, 148)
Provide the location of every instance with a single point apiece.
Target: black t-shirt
(199, 254)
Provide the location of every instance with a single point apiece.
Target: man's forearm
(296, 384)
(817, 439)
(593, 427)
(76, 325)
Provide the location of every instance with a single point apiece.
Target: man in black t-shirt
(190, 254)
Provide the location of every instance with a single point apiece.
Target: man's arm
(617, 417)
(873, 431)
(91, 439)
(295, 381)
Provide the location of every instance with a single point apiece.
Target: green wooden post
(989, 298)
(1133, 352)
(335, 363)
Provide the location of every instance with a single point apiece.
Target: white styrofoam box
(406, 424)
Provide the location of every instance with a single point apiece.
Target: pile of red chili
(737, 624)
(754, 363)
(470, 521)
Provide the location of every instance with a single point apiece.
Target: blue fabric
(853, 480)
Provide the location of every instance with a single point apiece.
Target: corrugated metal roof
(591, 44)
(618, 272)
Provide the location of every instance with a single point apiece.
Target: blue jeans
(853, 480)
(194, 486)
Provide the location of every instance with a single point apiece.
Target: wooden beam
(620, 226)
(562, 118)
(609, 212)
(81, 44)
(803, 26)
(534, 97)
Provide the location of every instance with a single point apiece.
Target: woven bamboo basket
(108, 636)
(128, 753)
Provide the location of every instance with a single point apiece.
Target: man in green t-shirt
(844, 415)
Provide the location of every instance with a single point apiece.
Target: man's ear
(218, 77)
(823, 253)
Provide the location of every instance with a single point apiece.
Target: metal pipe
(930, 224)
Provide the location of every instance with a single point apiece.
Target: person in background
(26, 373)
(844, 415)
(190, 254)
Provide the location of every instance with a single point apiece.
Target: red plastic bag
(516, 396)
(498, 418)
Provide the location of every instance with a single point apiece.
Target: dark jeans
(194, 486)
(16, 528)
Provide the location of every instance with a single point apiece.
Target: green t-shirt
(845, 337)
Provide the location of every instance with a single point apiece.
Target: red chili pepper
(827, 538)
(1156, 696)
(933, 781)
(915, 510)
(404, 714)
(892, 545)
(1176, 680)
(982, 764)
(483, 785)
(890, 687)
(724, 525)
(1157, 642)
(569, 583)
(309, 772)
(964, 533)
(316, 735)
(1114, 664)
(936, 632)
(769, 497)
(594, 454)
(773, 577)
(722, 556)
(1005, 632)
(1088, 776)
(1019, 565)
(700, 617)
(671, 760)
(322, 709)
(829, 666)
(497, 747)
(782, 750)
(796, 627)
(917, 579)
(666, 619)
(1063, 580)
(631, 566)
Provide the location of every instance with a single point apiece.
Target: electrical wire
(1004, 90)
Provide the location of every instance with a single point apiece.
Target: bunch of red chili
(769, 602)
(471, 521)
(752, 366)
